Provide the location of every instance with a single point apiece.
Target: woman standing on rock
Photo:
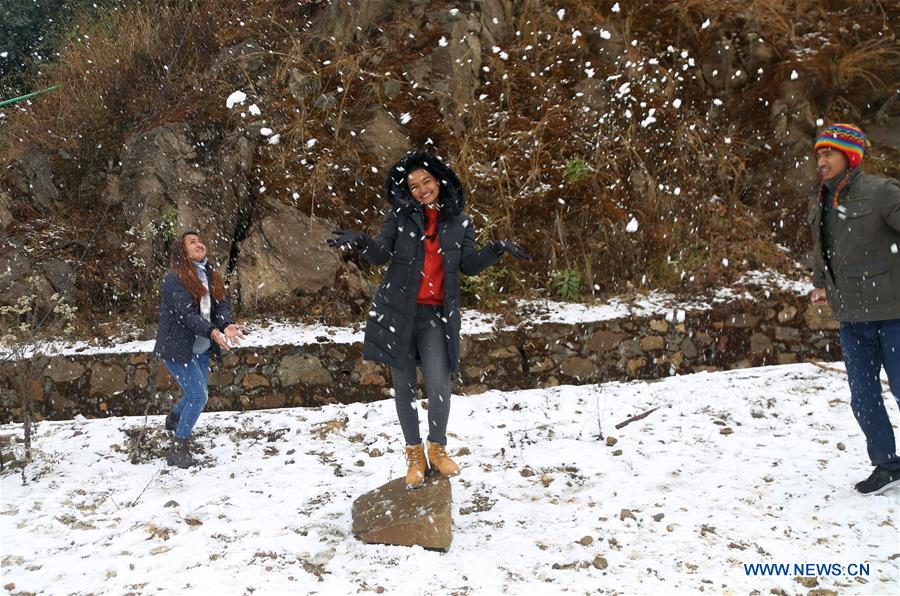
(194, 321)
(415, 318)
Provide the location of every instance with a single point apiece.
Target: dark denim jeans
(429, 338)
(867, 347)
(192, 377)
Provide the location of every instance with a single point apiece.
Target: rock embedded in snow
(108, 379)
(391, 514)
(63, 370)
(303, 368)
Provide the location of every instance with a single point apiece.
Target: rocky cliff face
(566, 121)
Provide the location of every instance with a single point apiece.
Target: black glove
(502, 246)
(348, 239)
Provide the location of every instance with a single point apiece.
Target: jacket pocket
(858, 217)
(868, 284)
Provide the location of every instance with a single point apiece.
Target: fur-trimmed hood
(452, 199)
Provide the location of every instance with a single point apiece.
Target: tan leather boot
(437, 455)
(415, 461)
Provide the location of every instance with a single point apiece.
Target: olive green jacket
(863, 281)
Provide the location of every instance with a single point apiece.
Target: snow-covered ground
(273, 333)
(732, 469)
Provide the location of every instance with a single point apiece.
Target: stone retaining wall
(774, 330)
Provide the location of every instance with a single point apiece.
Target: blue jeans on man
(193, 378)
(868, 347)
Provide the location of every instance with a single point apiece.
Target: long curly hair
(181, 264)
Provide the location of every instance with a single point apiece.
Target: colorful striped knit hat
(847, 139)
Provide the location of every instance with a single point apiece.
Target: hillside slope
(648, 145)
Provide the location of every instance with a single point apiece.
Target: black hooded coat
(401, 239)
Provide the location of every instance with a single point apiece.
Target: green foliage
(485, 284)
(169, 224)
(567, 284)
(576, 169)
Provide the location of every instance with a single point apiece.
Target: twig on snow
(635, 418)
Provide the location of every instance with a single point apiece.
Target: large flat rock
(391, 514)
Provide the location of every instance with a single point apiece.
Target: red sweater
(431, 288)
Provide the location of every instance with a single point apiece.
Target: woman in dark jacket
(415, 318)
(194, 321)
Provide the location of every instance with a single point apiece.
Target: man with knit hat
(855, 222)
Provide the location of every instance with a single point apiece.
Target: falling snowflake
(266, 132)
(561, 13)
(405, 117)
(238, 97)
(632, 226)
(616, 8)
(254, 109)
(705, 24)
(311, 143)
(794, 75)
(442, 42)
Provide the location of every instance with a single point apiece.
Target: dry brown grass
(115, 78)
(866, 63)
(516, 143)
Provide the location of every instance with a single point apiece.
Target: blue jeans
(192, 377)
(867, 347)
(429, 340)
